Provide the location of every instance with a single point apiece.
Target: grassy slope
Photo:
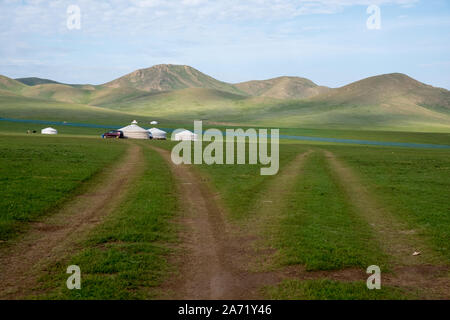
(282, 88)
(387, 102)
(39, 173)
(37, 109)
(10, 84)
(81, 94)
(188, 104)
(327, 115)
(126, 257)
(170, 77)
(33, 81)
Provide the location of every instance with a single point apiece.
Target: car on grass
(113, 134)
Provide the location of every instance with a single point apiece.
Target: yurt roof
(49, 128)
(185, 132)
(157, 131)
(133, 128)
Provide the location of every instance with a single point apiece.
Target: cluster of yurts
(133, 131)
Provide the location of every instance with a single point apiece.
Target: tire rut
(216, 254)
(396, 239)
(57, 236)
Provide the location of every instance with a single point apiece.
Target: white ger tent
(154, 122)
(133, 131)
(49, 131)
(185, 135)
(158, 134)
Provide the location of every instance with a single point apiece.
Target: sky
(327, 41)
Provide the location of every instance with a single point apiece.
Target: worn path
(49, 240)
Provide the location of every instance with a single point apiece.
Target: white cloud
(129, 15)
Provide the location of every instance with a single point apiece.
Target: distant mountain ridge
(379, 89)
(282, 88)
(168, 77)
(181, 92)
(33, 81)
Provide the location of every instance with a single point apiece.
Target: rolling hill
(168, 78)
(11, 85)
(395, 88)
(385, 102)
(391, 101)
(33, 81)
(282, 88)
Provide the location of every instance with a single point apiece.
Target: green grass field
(126, 256)
(40, 173)
(332, 290)
(414, 184)
(316, 227)
(319, 230)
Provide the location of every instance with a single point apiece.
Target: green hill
(11, 85)
(33, 81)
(385, 102)
(391, 89)
(85, 94)
(282, 88)
(168, 78)
(187, 104)
(391, 101)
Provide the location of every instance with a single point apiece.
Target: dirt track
(215, 264)
(396, 239)
(216, 258)
(47, 241)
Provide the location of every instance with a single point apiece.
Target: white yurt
(154, 122)
(133, 131)
(49, 131)
(158, 134)
(185, 135)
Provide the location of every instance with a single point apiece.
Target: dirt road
(47, 241)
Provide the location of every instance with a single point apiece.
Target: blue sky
(326, 41)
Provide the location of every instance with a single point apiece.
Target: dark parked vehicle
(113, 134)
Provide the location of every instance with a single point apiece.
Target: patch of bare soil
(57, 236)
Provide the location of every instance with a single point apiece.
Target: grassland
(37, 109)
(40, 173)
(414, 184)
(319, 229)
(332, 290)
(126, 257)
